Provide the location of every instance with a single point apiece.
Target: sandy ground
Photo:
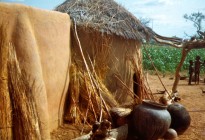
(193, 100)
(191, 97)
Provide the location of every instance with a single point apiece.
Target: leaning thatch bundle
(5, 102)
(25, 120)
(84, 100)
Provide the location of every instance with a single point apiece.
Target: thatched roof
(105, 16)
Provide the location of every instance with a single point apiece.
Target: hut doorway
(136, 87)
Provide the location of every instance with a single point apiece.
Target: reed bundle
(25, 119)
(5, 102)
(83, 96)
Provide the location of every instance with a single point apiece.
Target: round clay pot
(180, 117)
(171, 134)
(150, 120)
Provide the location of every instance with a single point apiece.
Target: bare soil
(192, 98)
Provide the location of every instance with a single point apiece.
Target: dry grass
(144, 92)
(88, 98)
(5, 102)
(84, 96)
(24, 114)
(105, 16)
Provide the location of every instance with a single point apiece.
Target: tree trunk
(177, 74)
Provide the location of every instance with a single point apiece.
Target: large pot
(150, 120)
(180, 117)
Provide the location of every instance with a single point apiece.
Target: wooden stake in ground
(177, 75)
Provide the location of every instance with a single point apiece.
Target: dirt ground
(192, 98)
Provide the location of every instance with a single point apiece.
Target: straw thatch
(84, 100)
(18, 115)
(5, 102)
(26, 124)
(105, 16)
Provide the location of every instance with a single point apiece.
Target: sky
(166, 16)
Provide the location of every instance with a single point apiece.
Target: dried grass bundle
(101, 52)
(25, 118)
(83, 96)
(5, 102)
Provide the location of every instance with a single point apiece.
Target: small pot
(171, 134)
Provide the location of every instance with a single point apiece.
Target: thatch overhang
(105, 16)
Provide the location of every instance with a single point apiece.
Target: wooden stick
(86, 65)
(131, 93)
(157, 73)
(98, 88)
(87, 68)
(97, 85)
(142, 87)
(90, 101)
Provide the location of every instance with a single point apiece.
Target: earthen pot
(180, 117)
(150, 120)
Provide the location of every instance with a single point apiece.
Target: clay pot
(180, 117)
(171, 134)
(151, 120)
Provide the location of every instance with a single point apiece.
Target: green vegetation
(167, 58)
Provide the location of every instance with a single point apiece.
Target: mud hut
(110, 38)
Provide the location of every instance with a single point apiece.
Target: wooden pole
(177, 74)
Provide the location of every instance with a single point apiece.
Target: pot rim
(155, 104)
